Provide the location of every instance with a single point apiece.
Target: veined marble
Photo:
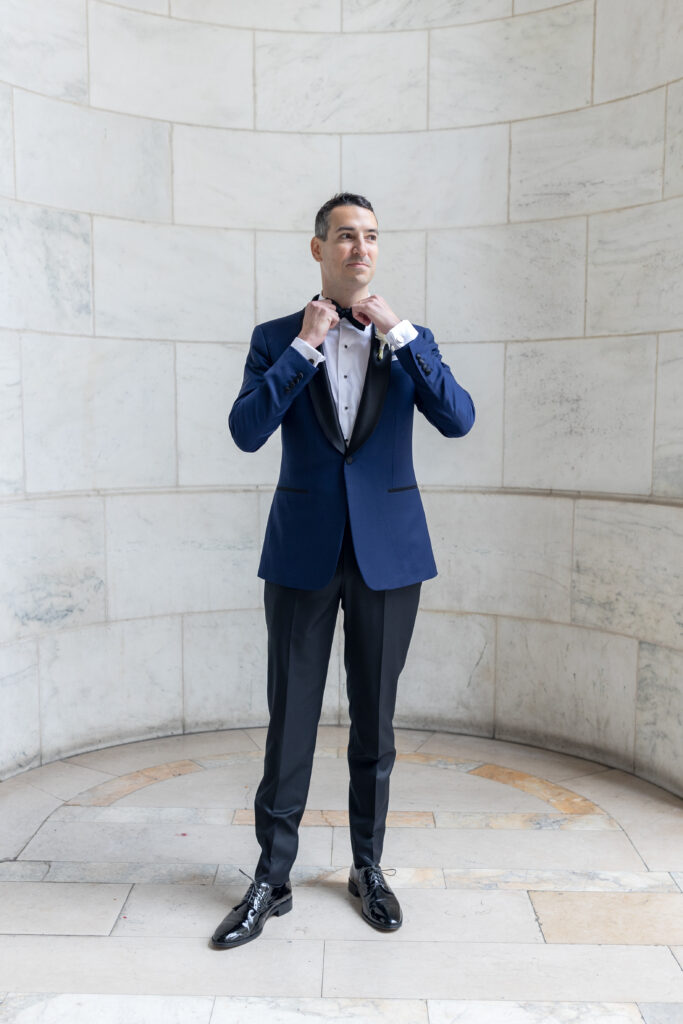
(98, 413)
(379, 15)
(106, 1009)
(438, 179)
(19, 707)
(451, 1011)
(639, 919)
(299, 89)
(500, 554)
(173, 553)
(11, 425)
(637, 46)
(53, 565)
(6, 142)
(588, 160)
(458, 691)
(634, 269)
(209, 377)
(475, 460)
(175, 70)
(627, 574)
(579, 432)
(287, 276)
(559, 880)
(511, 68)
(668, 451)
(673, 175)
(304, 15)
(574, 688)
(92, 160)
(45, 268)
(234, 178)
(171, 281)
(517, 281)
(529, 6)
(43, 47)
(659, 716)
(134, 668)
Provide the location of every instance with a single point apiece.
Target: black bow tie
(343, 313)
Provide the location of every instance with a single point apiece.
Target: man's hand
(319, 316)
(374, 310)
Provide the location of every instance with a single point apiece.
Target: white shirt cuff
(314, 355)
(401, 334)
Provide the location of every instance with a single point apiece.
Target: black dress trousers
(378, 626)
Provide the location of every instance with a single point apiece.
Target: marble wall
(160, 165)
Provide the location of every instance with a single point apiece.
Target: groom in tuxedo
(341, 379)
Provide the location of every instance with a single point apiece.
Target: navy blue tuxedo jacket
(321, 476)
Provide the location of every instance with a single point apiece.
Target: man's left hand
(374, 310)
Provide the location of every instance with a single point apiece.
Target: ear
(316, 249)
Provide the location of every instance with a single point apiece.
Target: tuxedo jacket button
(349, 460)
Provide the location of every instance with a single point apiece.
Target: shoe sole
(283, 908)
(353, 889)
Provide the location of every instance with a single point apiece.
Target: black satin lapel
(324, 408)
(373, 395)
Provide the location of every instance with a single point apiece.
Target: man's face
(349, 253)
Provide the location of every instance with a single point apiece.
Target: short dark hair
(322, 217)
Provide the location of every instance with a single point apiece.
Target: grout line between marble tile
(123, 907)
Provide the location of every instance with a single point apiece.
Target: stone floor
(536, 887)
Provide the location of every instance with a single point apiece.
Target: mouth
(357, 263)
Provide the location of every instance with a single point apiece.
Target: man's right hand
(319, 317)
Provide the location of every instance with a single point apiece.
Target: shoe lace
(255, 895)
(375, 875)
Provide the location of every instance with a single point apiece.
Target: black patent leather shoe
(246, 920)
(380, 908)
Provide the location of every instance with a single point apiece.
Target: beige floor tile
(22, 810)
(451, 1011)
(546, 763)
(470, 848)
(559, 880)
(43, 908)
(328, 910)
(547, 821)
(320, 1011)
(311, 874)
(453, 970)
(105, 1009)
(228, 786)
(63, 779)
(182, 874)
(159, 843)
(273, 967)
(644, 919)
(131, 757)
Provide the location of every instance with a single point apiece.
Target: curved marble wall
(160, 163)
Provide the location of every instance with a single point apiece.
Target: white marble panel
(165, 281)
(98, 413)
(448, 681)
(432, 179)
(52, 572)
(43, 46)
(83, 159)
(306, 15)
(566, 688)
(637, 46)
(628, 575)
(595, 159)
(109, 684)
(19, 709)
(569, 414)
(528, 6)
(6, 142)
(235, 179)
(634, 269)
(298, 87)
(452, 1011)
(659, 717)
(512, 68)
(209, 379)
(181, 553)
(45, 268)
(673, 173)
(41, 1008)
(500, 554)
(11, 451)
(400, 275)
(476, 459)
(516, 281)
(379, 15)
(287, 276)
(668, 454)
(176, 70)
(320, 1011)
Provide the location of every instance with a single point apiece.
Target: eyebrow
(372, 231)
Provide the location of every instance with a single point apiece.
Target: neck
(344, 296)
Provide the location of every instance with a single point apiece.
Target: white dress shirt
(346, 350)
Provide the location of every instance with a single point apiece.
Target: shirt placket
(344, 379)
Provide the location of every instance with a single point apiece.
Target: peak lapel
(374, 392)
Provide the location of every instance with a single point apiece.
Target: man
(341, 379)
